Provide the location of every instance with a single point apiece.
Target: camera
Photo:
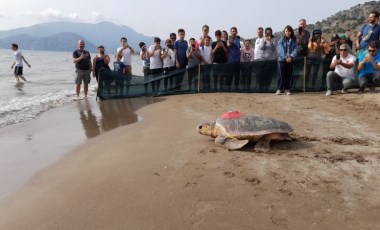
(337, 56)
(193, 45)
(299, 30)
(314, 38)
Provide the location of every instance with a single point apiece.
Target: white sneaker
(287, 92)
(278, 92)
(344, 90)
(328, 93)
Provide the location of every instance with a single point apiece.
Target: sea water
(50, 84)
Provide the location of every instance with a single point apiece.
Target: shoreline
(33, 145)
(161, 174)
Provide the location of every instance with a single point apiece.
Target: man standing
(19, 58)
(369, 32)
(233, 59)
(219, 51)
(126, 52)
(344, 71)
(260, 39)
(303, 37)
(369, 67)
(180, 48)
(83, 66)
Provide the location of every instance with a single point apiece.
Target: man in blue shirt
(233, 59)
(180, 48)
(369, 32)
(369, 68)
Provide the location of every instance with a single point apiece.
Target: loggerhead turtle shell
(250, 125)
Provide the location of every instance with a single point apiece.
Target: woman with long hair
(287, 51)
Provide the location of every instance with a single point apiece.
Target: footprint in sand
(253, 181)
(229, 174)
(203, 208)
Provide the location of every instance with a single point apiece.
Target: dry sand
(161, 174)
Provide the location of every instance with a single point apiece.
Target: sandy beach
(159, 173)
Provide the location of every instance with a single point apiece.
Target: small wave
(22, 109)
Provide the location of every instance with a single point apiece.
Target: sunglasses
(172, 38)
(343, 49)
(372, 51)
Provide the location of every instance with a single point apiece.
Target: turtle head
(206, 128)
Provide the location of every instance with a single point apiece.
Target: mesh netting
(257, 76)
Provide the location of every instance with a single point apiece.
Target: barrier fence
(250, 77)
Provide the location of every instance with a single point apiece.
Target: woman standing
(268, 60)
(101, 60)
(287, 51)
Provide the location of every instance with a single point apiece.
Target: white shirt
(155, 60)
(169, 59)
(18, 56)
(126, 54)
(258, 51)
(206, 52)
(345, 72)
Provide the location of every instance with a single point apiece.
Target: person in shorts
(83, 67)
(18, 63)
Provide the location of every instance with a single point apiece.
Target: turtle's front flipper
(263, 145)
(231, 143)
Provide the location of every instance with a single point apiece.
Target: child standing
(119, 68)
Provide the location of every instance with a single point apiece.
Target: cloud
(50, 14)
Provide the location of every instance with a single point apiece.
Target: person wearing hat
(369, 68)
(344, 63)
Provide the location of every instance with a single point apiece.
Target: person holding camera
(219, 51)
(268, 63)
(369, 68)
(316, 48)
(168, 59)
(83, 68)
(155, 63)
(194, 59)
(343, 63)
(144, 56)
(126, 52)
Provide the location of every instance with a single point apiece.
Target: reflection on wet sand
(113, 113)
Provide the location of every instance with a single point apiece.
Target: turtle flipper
(231, 143)
(263, 145)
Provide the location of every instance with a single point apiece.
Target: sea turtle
(235, 129)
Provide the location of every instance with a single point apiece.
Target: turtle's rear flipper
(231, 143)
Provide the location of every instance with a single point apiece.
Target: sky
(159, 18)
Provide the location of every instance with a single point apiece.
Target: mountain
(352, 19)
(58, 42)
(103, 33)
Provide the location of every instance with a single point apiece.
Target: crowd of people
(341, 57)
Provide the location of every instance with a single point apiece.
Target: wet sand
(33, 145)
(161, 174)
